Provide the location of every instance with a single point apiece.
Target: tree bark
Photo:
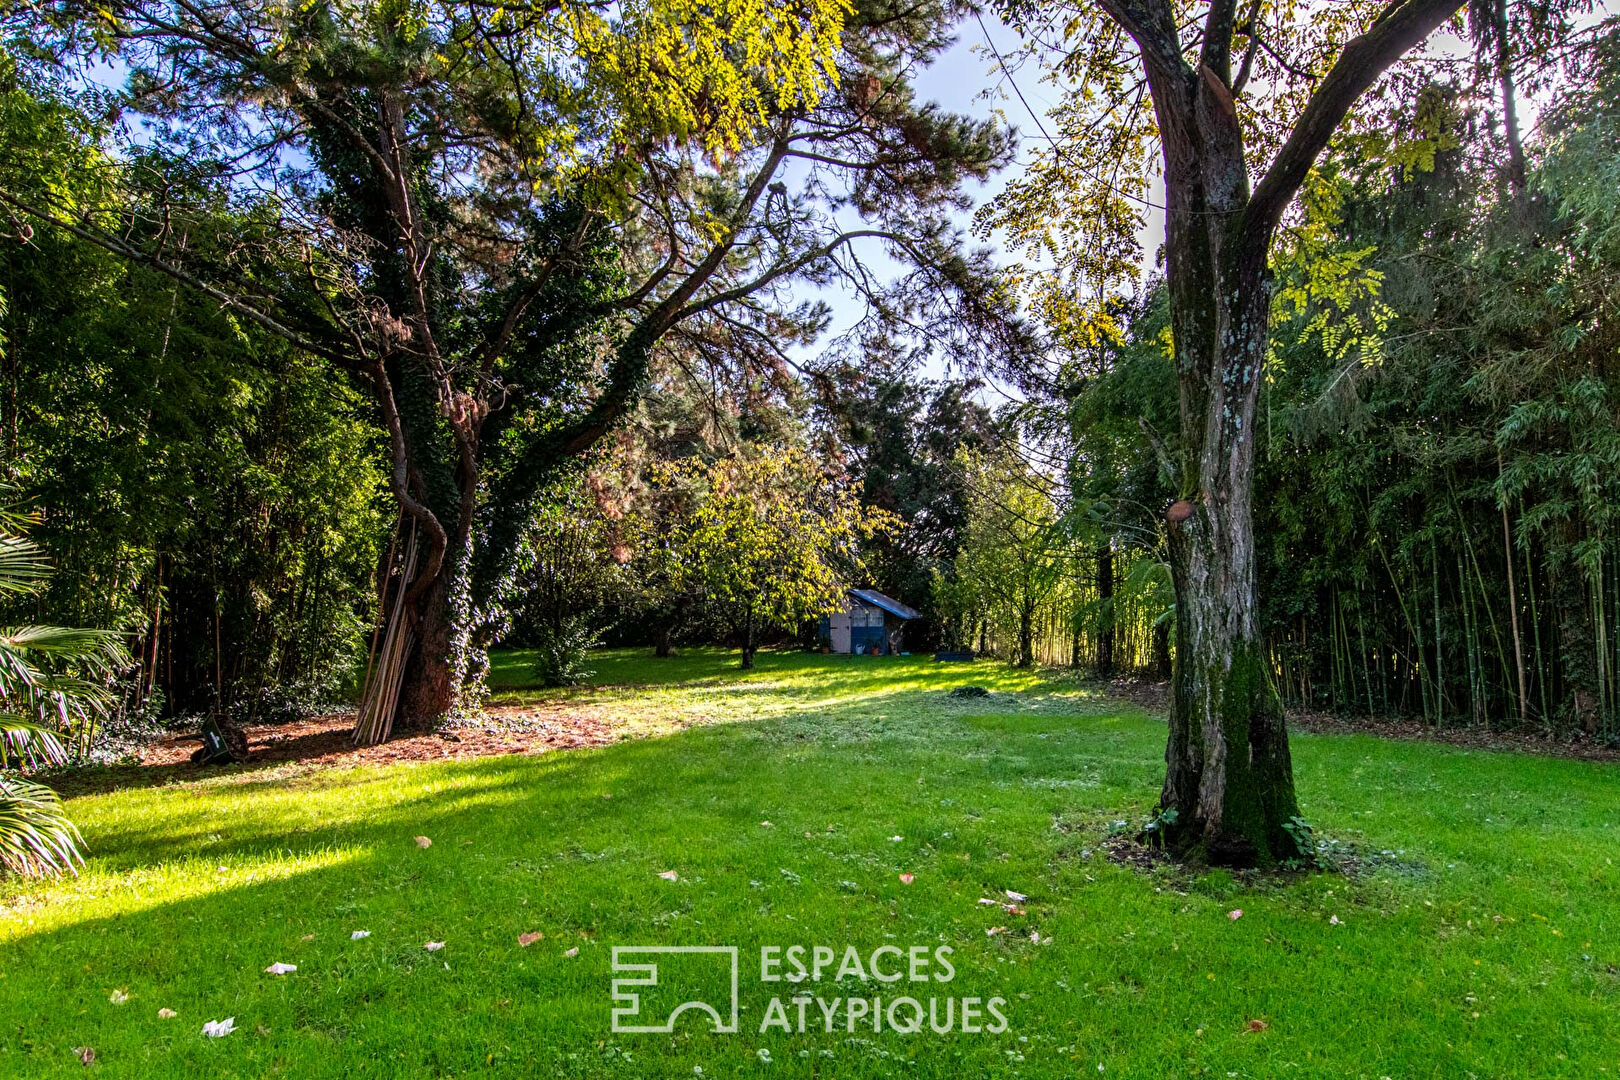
(1105, 610)
(1228, 777)
(1026, 635)
(666, 643)
(748, 642)
(428, 690)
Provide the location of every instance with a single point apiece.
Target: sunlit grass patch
(1476, 933)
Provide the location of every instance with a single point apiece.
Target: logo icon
(643, 978)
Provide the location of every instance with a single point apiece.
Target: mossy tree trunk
(1229, 779)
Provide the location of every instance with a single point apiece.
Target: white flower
(358, 934)
(218, 1029)
(280, 969)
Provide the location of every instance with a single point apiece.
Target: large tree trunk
(1228, 776)
(1105, 610)
(429, 688)
(666, 643)
(1229, 780)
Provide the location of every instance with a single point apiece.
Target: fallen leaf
(988, 903)
(526, 940)
(87, 1056)
(1012, 909)
(1016, 897)
(1256, 1026)
(670, 875)
(422, 841)
(167, 1014)
(571, 952)
(907, 879)
(895, 839)
(1333, 920)
(1235, 914)
(118, 997)
(766, 825)
(307, 937)
(358, 934)
(280, 969)
(264, 1032)
(218, 1029)
(994, 930)
(433, 946)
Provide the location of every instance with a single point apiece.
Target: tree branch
(1400, 28)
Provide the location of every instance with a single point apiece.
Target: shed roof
(887, 603)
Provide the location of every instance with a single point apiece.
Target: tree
(214, 493)
(898, 436)
(1223, 99)
(1017, 550)
(772, 542)
(52, 690)
(491, 215)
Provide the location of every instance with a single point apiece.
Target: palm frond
(98, 649)
(36, 837)
(23, 568)
(28, 743)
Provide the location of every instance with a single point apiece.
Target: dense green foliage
(52, 695)
(208, 491)
(1438, 430)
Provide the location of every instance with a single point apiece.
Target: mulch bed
(1155, 697)
(324, 740)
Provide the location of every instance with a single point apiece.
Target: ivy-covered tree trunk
(429, 688)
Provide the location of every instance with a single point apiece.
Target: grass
(1481, 938)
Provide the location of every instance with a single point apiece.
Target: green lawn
(1481, 938)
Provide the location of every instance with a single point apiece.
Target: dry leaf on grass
(528, 939)
(118, 997)
(358, 934)
(907, 879)
(1256, 1026)
(670, 875)
(1235, 914)
(433, 946)
(167, 1014)
(571, 952)
(87, 1056)
(280, 969)
(423, 842)
(1016, 897)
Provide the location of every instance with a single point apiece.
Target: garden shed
(871, 624)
